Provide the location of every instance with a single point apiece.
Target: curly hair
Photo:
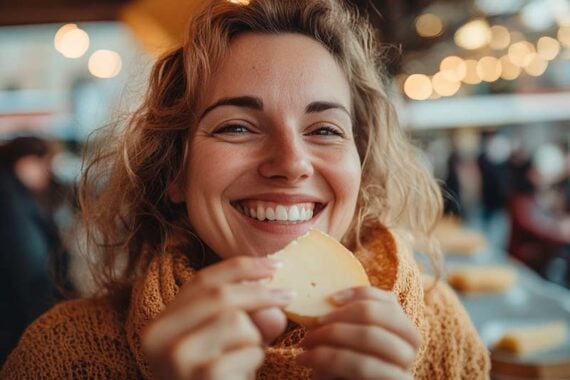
(126, 209)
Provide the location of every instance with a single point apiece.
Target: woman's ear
(175, 192)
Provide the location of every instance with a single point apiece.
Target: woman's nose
(286, 158)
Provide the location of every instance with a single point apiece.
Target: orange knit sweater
(90, 339)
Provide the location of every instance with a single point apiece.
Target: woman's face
(273, 153)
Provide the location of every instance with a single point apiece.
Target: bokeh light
(105, 64)
(241, 2)
(71, 41)
(489, 69)
(521, 53)
(418, 87)
(471, 75)
(443, 86)
(536, 66)
(548, 48)
(429, 25)
(500, 37)
(473, 35)
(453, 68)
(509, 71)
(564, 35)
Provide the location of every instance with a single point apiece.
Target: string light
(71, 41)
(500, 37)
(473, 35)
(453, 68)
(510, 71)
(489, 69)
(471, 75)
(547, 48)
(536, 66)
(521, 53)
(418, 87)
(564, 35)
(429, 25)
(105, 64)
(443, 86)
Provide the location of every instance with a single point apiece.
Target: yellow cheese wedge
(315, 266)
(526, 340)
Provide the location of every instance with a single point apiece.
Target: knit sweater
(89, 338)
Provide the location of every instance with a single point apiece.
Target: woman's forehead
(279, 67)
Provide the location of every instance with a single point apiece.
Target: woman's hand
(216, 326)
(367, 337)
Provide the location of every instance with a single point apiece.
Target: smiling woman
(270, 120)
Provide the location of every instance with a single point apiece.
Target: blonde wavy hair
(126, 208)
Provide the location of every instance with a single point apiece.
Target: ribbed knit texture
(90, 339)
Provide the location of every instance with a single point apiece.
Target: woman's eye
(233, 129)
(327, 131)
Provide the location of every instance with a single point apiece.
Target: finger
(229, 331)
(389, 316)
(239, 364)
(362, 293)
(270, 322)
(349, 364)
(370, 340)
(237, 269)
(182, 320)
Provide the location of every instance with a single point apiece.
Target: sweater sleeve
(76, 339)
(454, 349)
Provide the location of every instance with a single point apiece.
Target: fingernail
(272, 263)
(283, 295)
(343, 296)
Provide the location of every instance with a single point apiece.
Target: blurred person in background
(493, 165)
(540, 225)
(28, 237)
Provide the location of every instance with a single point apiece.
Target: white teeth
(280, 213)
(269, 213)
(260, 213)
(294, 214)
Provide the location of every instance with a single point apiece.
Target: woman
(270, 119)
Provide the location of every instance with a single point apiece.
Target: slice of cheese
(487, 278)
(530, 339)
(315, 266)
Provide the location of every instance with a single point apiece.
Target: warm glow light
(429, 25)
(537, 66)
(510, 71)
(500, 37)
(453, 68)
(489, 69)
(548, 48)
(443, 86)
(521, 53)
(418, 87)
(471, 76)
(241, 2)
(60, 33)
(105, 64)
(71, 41)
(473, 35)
(564, 35)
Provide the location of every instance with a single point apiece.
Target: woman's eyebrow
(239, 101)
(321, 106)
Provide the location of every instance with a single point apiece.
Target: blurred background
(483, 86)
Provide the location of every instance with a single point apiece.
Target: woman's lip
(281, 198)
